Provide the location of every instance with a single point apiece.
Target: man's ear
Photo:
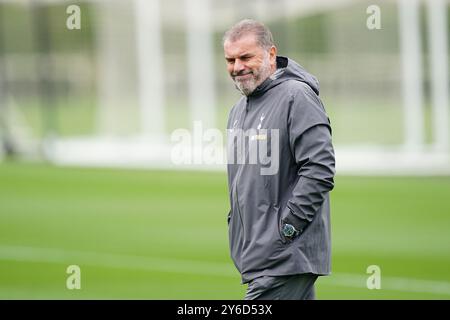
(273, 56)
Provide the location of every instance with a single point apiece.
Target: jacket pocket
(235, 239)
(279, 225)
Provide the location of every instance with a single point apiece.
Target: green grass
(163, 235)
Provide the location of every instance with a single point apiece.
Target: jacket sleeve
(311, 145)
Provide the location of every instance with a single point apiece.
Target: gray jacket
(286, 115)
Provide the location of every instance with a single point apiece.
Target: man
(279, 222)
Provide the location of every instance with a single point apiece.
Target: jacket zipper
(238, 174)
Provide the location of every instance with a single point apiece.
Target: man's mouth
(242, 77)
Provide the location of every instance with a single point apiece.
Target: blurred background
(87, 113)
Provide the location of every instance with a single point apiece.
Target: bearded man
(279, 222)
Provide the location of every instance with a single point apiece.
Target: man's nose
(238, 66)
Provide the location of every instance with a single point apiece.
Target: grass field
(163, 235)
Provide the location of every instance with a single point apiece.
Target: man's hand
(292, 226)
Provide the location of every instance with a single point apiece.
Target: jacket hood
(287, 69)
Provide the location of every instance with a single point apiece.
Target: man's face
(248, 63)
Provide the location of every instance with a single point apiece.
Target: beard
(247, 81)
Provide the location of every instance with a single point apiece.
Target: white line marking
(197, 267)
(389, 283)
(107, 260)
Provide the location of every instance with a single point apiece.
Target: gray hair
(247, 26)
